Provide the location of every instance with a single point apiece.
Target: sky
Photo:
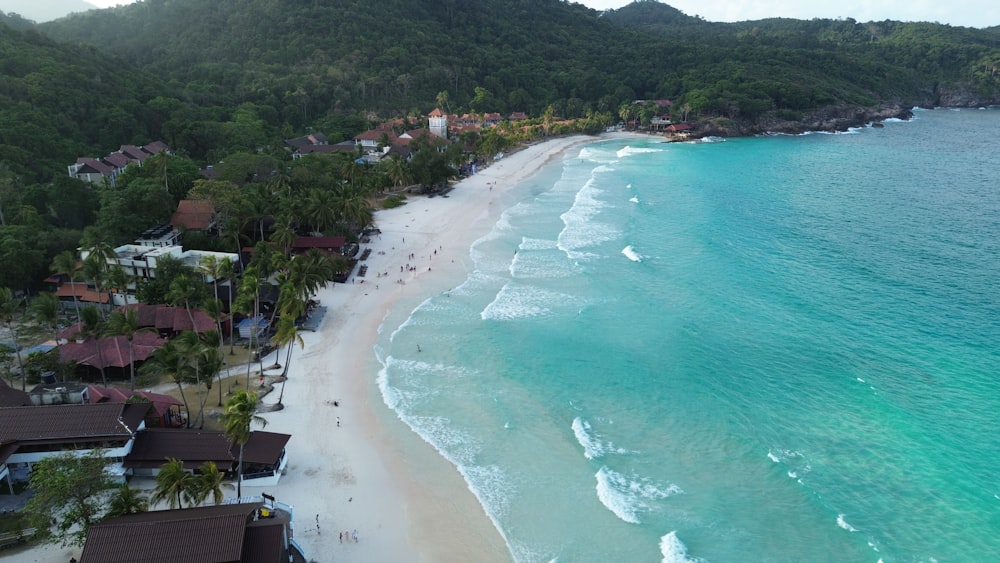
(972, 13)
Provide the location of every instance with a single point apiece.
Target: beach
(354, 467)
(352, 462)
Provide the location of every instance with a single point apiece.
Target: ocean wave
(630, 253)
(593, 447)
(712, 139)
(633, 199)
(674, 550)
(843, 524)
(630, 150)
(627, 497)
(514, 302)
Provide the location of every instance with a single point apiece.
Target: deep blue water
(768, 349)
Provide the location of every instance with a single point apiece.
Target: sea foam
(630, 253)
(626, 497)
(629, 151)
(674, 550)
(593, 446)
(843, 524)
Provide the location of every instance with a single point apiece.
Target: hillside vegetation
(229, 79)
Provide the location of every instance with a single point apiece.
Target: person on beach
(355, 536)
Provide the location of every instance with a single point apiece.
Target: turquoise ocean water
(769, 349)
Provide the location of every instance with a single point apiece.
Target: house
(90, 170)
(334, 246)
(70, 293)
(94, 170)
(254, 532)
(110, 351)
(492, 119)
(345, 146)
(160, 236)
(30, 434)
(264, 454)
(193, 447)
(312, 139)
(195, 215)
(517, 116)
(166, 411)
(10, 397)
(139, 263)
(371, 139)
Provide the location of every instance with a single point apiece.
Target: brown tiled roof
(114, 350)
(153, 446)
(319, 242)
(263, 543)
(92, 165)
(134, 152)
(82, 292)
(117, 160)
(161, 403)
(10, 397)
(156, 147)
(436, 113)
(263, 447)
(170, 318)
(375, 135)
(66, 423)
(207, 534)
(193, 214)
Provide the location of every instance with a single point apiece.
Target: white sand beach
(371, 473)
(355, 466)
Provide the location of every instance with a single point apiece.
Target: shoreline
(356, 465)
(387, 482)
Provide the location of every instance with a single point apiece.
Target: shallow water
(768, 349)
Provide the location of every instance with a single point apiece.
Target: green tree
(69, 495)
(94, 327)
(175, 485)
(126, 323)
(172, 360)
(65, 263)
(9, 306)
(209, 483)
(237, 417)
(126, 500)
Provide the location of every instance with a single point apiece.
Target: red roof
(114, 350)
(171, 319)
(81, 292)
(330, 243)
(436, 113)
(193, 214)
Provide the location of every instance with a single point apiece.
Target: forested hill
(308, 57)
(58, 102)
(218, 76)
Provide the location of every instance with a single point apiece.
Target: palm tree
(213, 308)
(126, 500)
(126, 323)
(249, 302)
(45, 310)
(210, 481)
(226, 271)
(65, 263)
(237, 418)
(174, 483)
(184, 291)
(204, 361)
(283, 235)
(93, 326)
(8, 309)
(287, 333)
(171, 359)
